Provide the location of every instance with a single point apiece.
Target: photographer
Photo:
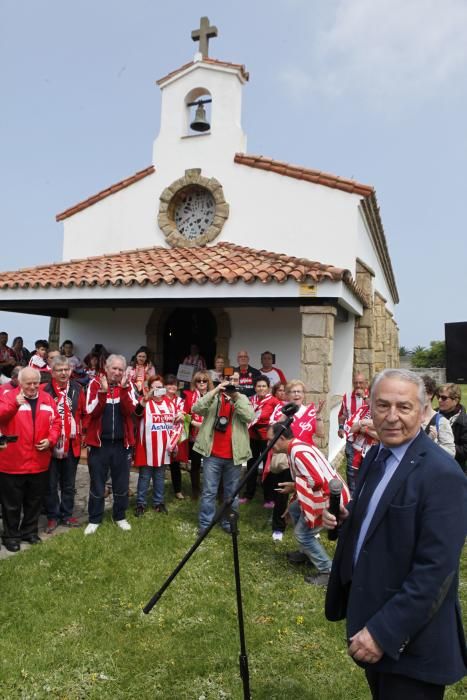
(223, 441)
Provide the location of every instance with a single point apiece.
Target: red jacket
(21, 457)
(263, 408)
(95, 404)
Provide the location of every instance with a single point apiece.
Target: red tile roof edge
(300, 269)
(299, 173)
(212, 61)
(105, 193)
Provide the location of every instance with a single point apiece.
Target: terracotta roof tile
(223, 262)
(105, 193)
(212, 61)
(299, 173)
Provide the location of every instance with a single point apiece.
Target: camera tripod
(226, 508)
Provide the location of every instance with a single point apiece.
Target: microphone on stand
(335, 490)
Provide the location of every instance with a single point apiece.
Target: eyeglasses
(201, 381)
(442, 397)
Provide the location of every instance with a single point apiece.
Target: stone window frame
(165, 217)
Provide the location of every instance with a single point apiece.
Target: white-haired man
(395, 573)
(28, 414)
(110, 405)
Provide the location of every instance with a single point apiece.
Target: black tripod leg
(243, 658)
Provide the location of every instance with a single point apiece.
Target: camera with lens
(221, 424)
(231, 389)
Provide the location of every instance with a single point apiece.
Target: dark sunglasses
(443, 397)
(201, 381)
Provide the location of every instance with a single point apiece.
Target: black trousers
(21, 493)
(176, 476)
(257, 446)
(390, 686)
(280, 499)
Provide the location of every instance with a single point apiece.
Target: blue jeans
(306, 538)
(117, 457)
(62, 477)
(215, 469)
(144, 478)
(351, 472)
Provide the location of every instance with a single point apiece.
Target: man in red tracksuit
(110, 405)
(30, 414)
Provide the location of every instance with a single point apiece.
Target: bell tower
(201, 104)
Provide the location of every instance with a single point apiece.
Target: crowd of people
(52, 405)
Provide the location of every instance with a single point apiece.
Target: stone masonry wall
(376, 339)
(316, 358)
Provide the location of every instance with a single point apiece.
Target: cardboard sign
(185, 373)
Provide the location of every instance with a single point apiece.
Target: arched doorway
(184, 327)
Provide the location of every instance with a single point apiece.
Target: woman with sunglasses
(200, 385)
(436, 426)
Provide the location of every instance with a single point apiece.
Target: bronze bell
(200, 122)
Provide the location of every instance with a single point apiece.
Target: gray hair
(59, 360)
(31, 371)
(112, 358)
(403, 375)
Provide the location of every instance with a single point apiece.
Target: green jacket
(243, 414)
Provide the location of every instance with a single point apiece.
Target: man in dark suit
(395, 572)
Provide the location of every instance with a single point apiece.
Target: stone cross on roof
(203, 34)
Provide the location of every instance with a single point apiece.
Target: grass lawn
(72, 625)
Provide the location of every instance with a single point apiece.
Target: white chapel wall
(341, 377)
(123, 221)
(267, 211)
(366, 251)
(121, 330)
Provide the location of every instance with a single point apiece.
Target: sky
(373, 90)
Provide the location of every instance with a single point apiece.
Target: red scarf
(64, 408)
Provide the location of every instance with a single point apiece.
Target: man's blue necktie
(374, 475)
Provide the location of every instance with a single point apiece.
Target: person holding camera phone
(158, 415)
(224, 443)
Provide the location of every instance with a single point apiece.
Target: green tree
(434, 356)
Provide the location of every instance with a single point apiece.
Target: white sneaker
(123, 524)
(277, 536)
(91, 528)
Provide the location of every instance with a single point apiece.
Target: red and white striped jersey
(350, 404)
(154, 440)
(312, 473)
(360, 440)
(179, 403)
(304, 422)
